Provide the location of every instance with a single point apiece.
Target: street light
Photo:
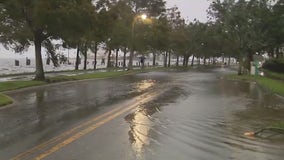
(143, 17)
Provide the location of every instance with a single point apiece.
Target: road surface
(156, 115)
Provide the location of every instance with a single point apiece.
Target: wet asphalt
(171, 115)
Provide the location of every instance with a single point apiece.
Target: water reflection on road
(199, 115)
(203, 116)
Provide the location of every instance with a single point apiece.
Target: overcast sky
(191, 9)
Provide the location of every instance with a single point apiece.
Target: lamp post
(142, 17)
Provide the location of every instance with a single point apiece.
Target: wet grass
(279, 125)
(5, 100)
(273, 85)
(274, 75)
(12, 85)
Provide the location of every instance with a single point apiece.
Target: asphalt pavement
(155, 115)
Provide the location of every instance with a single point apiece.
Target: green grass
(274, 75)
(279, 125)
(240, 77)
(273, 85)
(5, 100)
(276, 86)
(12, 85)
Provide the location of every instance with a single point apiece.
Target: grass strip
(274, 75)
(273, 85)
(278, 125)
(12, 85)
(5, 100)
(276, 86)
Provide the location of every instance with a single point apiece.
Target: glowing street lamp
(143, 17)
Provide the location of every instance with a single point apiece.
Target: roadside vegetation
(273, 78)
(272, 85)
(279, 125)
(274, 75)
(235, 29)
(5, 100)
(275, 65)
(12, 85)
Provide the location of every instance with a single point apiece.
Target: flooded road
(157, 115)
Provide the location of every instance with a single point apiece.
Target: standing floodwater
(207, 121)
(195, 115)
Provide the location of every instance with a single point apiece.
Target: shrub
(275, 65)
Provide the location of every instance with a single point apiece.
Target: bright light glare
(144, 16)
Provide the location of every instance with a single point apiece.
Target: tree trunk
(108, 59)
(186, 59)
(165, 59)
(95, 58)
(177, 63)
(249, 59)
(154, 59)
(169, 60)
(278, 53)
(85, 57)
(229, 62)
(77, 58)
(130, 63)
(124, 58)
(116, 58)
(240, 69)
(39, 73)
(192, 60)
(204, 61)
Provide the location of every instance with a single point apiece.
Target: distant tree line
(236, 29)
